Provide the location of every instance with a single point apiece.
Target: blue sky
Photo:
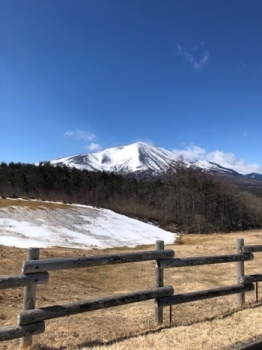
(78, 76)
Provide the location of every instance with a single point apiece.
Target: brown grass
(210, 324)
(31, 204)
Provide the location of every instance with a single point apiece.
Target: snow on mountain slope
(75, 226)
(136, 157)
(210, 166)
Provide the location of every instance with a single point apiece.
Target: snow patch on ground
(77, 226)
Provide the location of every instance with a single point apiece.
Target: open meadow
(209, 324)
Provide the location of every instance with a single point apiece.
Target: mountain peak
(138, 158)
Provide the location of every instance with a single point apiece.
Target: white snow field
(75, 227)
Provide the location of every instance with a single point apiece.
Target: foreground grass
(209, 324)
(229, 332)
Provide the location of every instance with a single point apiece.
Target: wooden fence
(31, 321)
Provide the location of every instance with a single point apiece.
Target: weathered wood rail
(204, 260)
(47, 313)
(31, 321)
(23, 280)
(9, 333)
(204, 294)
(244, 283)
(88, 261)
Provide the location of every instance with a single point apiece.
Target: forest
(187, 201)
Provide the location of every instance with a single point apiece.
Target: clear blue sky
(79, 75)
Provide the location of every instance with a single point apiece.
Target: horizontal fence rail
(31, 320)
(204, 294)
(15, 332)
(250, 279)
(32, 266)
(252, 248)
(23, 280)
(47, 313)
(204, 260)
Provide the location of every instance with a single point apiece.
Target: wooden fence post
(159, 282)
(240, 271)
(29, 296)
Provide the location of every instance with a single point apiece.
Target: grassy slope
(209, 324)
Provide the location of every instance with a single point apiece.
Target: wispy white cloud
(93, 147)
(197, 57)
(225, 159)
(80, 134)
(190, 152)
(87, 137)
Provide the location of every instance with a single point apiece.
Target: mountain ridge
(140, 158)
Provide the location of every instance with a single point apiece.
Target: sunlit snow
(75, 227)
(134, 158)
(124, 159)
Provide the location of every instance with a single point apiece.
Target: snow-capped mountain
(137, 158)
(213, 167)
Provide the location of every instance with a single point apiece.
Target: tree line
(189, 200)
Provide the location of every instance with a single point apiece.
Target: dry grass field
(210, 324)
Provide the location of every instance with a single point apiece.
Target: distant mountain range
(139, 159)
